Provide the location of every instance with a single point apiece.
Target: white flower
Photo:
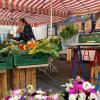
(67, 88)
(82, 96)
(40, 92)
(67, 84)
(72, 97)
(30, 89)
(44, 97)
(63, 85)
(38, 97)
(55, 96)
(15, 97)
(86, 85)
(70, 85)
(98, 95)
(93, 86)
(93, 96)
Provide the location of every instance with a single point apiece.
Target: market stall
(24, 58)
(18, 56)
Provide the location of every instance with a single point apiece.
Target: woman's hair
(23, 20)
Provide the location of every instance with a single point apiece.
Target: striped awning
(37, 12)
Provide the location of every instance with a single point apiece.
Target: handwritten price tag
(88, 26)
(97, 24)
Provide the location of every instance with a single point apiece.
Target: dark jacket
(27, 34)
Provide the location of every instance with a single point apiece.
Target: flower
(44, 97)
(55, 96)
(93, 96)
(38, 96)
(72, 97)
(78, 86)
(15, 97)
(15, 92)
(30, 89)
(30, 94)
(70, 85)
(40, 92)
(67, 88)
(93, 90)
(72, 91)
(86, 85)
(98, 95)
(93, 86)
(80, 89)
(82, 96)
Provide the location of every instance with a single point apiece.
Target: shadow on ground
(56, 79)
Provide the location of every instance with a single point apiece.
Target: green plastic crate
(6, 62)
(86, 38)
(28, 59)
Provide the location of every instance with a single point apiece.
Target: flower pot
(72, 40)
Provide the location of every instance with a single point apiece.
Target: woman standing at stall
(25, 31)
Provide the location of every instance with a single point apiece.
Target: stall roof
(38, 11)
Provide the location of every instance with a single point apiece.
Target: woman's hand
(20, 29)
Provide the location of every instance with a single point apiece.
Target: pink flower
(78, 86)
(16, 92)
(93, 90)
(72, 91)
(7, 98)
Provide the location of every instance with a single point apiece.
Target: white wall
(4, 31)
(40, 32)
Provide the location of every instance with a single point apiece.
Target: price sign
(78, 25)
(88, 26)
(97, 24)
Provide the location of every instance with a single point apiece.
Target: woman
(25, 31)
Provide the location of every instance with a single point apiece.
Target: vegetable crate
(86, 38)
(22, 77)
(29, 59)
(6, 62)
(3, 83)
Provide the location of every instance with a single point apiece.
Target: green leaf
(68, 31)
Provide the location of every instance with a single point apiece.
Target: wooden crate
(94, 74)
(3, 83)
(23, 77)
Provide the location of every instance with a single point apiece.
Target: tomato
(21, 46)
(31, 44)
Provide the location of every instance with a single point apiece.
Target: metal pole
(47, 30)
(51, 19)
(56, 29)
(12, 21)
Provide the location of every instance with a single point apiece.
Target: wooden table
(3, 83)
(25, 75)
(78, 55)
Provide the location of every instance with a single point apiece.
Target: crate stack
(18, 71)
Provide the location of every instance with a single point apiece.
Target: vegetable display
(68, 31)
(46, 46)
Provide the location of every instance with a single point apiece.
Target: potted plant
(79, 89)
(68, 32)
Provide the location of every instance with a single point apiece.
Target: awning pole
(51, 20)
(12, 22)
